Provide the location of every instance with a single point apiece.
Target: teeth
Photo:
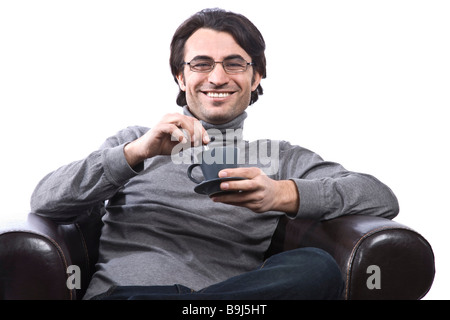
(218, 95)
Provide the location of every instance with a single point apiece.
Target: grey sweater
(158, 231)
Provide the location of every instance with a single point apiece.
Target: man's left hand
(258, 193)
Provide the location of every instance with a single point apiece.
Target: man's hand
(259, 193)
(164, 136)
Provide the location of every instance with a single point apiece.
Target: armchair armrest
(35, 255)
(368, 250)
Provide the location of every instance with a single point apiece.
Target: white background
(362, 83)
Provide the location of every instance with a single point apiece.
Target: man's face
(216, 97)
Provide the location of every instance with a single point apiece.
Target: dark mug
(214, 160)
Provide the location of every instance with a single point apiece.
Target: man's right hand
(173, 128)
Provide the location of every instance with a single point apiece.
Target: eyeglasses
(230, 65)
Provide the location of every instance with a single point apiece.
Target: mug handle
(189, 173)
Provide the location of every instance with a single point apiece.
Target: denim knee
(313, 270)
(330, 272)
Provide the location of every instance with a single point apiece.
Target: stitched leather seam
(57, 246)
(355, 248)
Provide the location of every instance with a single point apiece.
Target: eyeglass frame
(247, 64)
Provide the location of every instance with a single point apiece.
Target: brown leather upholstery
(34, 255)
(404, 258)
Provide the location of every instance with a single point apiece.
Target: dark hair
(243, 31)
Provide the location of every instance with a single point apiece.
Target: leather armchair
(379, 258)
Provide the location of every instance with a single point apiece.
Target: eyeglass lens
(230, 65)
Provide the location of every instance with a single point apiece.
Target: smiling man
(162, 240)
(219, 83)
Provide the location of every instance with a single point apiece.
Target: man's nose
(218, 76)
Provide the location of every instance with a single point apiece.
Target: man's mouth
(218, 94)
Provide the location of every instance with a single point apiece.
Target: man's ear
(181, 83)
(256, 81)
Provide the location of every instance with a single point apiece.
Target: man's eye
(201, 64)
(235, 64)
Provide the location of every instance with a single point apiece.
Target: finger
(206, 138)
(200, 135)
(248, 173)
(194, 130)
(237, 198)
(176, 134)
(241, 199)
(240, 185)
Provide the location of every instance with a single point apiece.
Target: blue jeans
(300, 274)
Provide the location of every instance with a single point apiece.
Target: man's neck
(226, 133)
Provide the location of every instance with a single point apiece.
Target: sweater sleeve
(327, 190)
(83, 186)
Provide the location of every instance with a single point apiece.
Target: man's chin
(218, 119)
(215, 113)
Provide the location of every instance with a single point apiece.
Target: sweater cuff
(117, 169)
(312, 200)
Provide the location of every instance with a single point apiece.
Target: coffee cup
(212, 161)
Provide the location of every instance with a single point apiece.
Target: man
(162, 240)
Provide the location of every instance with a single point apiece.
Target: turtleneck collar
(223, 133)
